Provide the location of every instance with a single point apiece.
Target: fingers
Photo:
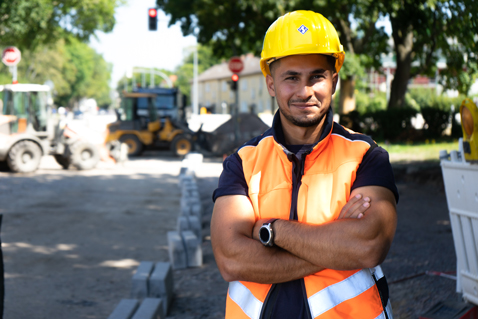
(355, 207)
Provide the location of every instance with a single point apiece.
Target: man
(304, 213)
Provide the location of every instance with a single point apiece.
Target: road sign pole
(236, 66)
(13, 70)
(236, 113)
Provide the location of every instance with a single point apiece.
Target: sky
(132, 44)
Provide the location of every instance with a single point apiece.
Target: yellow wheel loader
(139, 127)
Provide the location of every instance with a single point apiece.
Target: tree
(236, 27)
(127, 83)
(28, 24)
(75, 69)
(424, 30)
(461, 71)
(86, 72)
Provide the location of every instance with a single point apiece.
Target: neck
(296, 135)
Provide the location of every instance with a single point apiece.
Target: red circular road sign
(11, 56)
(236, 65)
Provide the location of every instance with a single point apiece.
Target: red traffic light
(235, 77)
(153, 12)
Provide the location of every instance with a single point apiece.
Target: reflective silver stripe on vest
(335, 294)
(388, 311)
(244, 298)
(377, 272)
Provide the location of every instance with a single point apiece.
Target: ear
(335, 79)
(270, 85)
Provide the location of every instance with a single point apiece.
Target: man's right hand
(355, 207)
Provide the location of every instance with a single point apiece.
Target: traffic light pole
(236, 119)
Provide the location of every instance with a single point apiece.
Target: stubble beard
(302, 121)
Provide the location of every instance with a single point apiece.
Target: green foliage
(75, 69)
(28, 24)
(391, 124)
(354, 66)
(184, 72)
(424, 31)
(461, 71)
(437, 111)
(236, 27)
(366, 103)
(126, 84)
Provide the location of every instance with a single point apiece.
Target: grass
(418, 152)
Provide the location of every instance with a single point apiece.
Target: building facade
(214, 91)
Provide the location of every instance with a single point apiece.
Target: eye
(318, 76)
(291, 78)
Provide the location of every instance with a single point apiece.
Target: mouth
(303, 105)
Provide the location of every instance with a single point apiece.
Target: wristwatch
(266, 234)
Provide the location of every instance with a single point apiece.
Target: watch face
(264, 234)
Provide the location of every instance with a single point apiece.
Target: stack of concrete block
(151, 293)
(185, 243)
(184, 249)
(149, 308)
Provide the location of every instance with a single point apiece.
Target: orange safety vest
(328, 175)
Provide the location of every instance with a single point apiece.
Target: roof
(221, 71)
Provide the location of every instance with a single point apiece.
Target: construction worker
(305, 213)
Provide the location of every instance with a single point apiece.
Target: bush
(436, 121)
(366, 103)
(389, 124)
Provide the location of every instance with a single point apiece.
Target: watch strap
(270, 221)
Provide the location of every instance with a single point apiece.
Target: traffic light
(153, 19)
(233, 82)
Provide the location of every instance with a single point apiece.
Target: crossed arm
(360, 238)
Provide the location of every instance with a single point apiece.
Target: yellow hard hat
(301, 32)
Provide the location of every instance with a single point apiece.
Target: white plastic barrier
(461, 187)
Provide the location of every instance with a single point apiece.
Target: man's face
(303, 86)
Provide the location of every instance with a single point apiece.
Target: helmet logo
(303, 29)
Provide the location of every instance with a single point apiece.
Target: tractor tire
(24, 157)
(181, 145)
(84, 155)
(62, 160)
(135, 147)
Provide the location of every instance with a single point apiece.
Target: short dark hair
(330, 62)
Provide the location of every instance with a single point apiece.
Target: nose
(305, 92)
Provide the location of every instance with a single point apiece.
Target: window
(207, 87)
(244, 84)
(224, 86)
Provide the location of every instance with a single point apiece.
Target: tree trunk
(347, 95)
(403, 40)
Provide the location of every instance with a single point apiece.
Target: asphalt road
(72, 239)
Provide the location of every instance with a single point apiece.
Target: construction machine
(139, 126)
(29, 130)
